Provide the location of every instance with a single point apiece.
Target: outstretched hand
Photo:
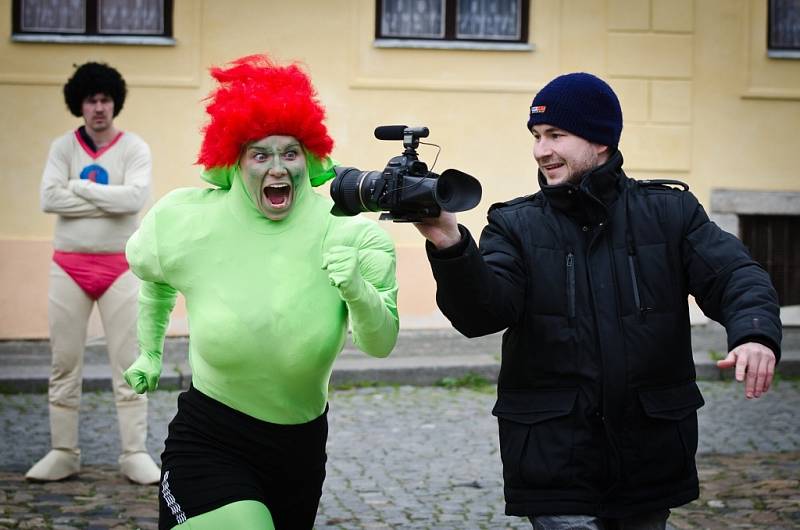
(755, 365)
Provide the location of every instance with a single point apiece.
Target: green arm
(156, 301)
(365, 277)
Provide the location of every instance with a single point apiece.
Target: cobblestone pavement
(410, 457)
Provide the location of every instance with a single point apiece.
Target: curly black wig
(94, 78)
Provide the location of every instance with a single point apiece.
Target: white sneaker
(58, 464)
(139, 468)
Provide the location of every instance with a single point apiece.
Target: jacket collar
(589, 200)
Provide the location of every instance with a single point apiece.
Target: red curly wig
(257, 98)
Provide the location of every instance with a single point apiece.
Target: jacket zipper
(635, 280)
(571, 287)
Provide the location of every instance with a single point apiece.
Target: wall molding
(430, 85)
(192, 81)
(728, 204)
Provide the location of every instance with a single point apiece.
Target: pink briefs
(94, 273)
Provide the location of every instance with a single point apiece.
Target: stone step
(422, 357)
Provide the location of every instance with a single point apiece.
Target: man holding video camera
(589, 278)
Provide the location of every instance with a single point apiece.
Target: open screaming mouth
(278, 195)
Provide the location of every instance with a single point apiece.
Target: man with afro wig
(96, 180)
(271, 280)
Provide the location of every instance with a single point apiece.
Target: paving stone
(412, 457)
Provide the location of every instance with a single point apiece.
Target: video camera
(405, 189)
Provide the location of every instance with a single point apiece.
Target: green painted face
(272, 170)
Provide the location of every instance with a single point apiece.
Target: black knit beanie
(582, 104)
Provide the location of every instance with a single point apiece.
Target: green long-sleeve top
(265, 324)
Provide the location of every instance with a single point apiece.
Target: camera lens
(351, 190)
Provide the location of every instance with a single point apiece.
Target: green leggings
(245, 515)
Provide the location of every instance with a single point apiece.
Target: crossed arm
(83, 198)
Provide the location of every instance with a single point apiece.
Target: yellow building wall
(701, 102)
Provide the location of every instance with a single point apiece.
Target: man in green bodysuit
(271, 280)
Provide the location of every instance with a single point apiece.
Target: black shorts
(215, 455)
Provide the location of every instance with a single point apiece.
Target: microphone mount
(409, 135)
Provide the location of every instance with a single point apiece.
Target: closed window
(500, 21)
(784, 28)
(133, 21)
(773, 242)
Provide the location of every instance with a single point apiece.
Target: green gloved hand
(144, 373)
(341, 263)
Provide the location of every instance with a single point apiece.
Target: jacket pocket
(536, 436)
(665, 440)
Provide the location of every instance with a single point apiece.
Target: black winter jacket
(596, 397)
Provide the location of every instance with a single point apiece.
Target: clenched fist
(341, 263)
(144, 373)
